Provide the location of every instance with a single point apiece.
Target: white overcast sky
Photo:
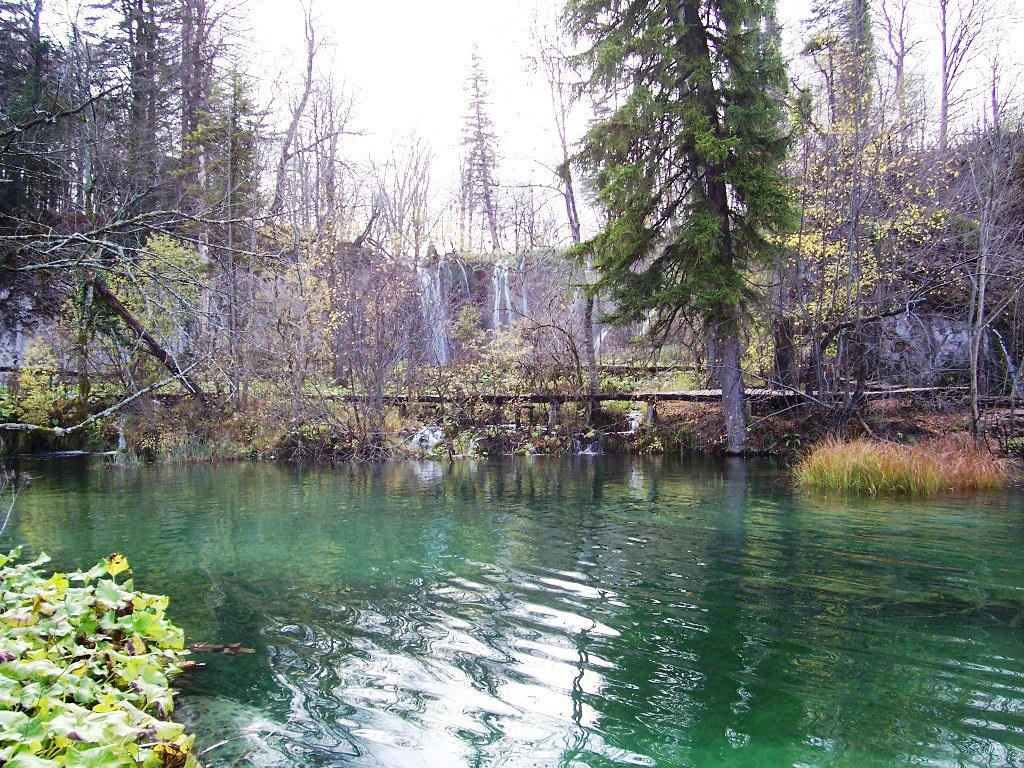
(407, 61)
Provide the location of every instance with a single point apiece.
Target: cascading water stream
(1011, 367)
(501, 316)
(524, 294)
(465, 280)
(434, 307)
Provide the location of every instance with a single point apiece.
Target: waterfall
(427, 439)
(444, 288)
(634, 417)
(599, 341)
(434, 307)
(510, 316)
(587, 445)
(465, 280)
(522, 287)
(496, 292)
(650, 317)
(1011, 367)
(502, 313)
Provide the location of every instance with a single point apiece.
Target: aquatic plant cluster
(877, 467)
(84, 668)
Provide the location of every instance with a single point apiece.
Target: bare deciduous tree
(402, 192)
(961, 25)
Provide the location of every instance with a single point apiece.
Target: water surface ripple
(606, 612)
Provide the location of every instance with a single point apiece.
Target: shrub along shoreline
(906, 454)
(877, 467)
(85, 664)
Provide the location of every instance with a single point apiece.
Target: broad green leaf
(175, 640)
(60, 584)
(27, 759)
(43, 559)
(14, 554)
(70, 728)
(97, 757)
(157, 602)
(168, 731)
(37, 669)
(150, 625)
(108, 592)
(31, 693)
(12, 722)
(12, 645)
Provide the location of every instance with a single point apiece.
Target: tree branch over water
(63, 431)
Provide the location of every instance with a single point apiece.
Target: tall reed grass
(875, 467)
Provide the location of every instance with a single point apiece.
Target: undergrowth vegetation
(876, 467)
(84, 668)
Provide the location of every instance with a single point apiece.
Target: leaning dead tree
(166, 359)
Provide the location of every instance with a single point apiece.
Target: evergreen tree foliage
(141, 50)
(35, 181)
(480, 162)
(685, 161)
(31, 179)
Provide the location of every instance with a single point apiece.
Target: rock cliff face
(485, 291)
(16, 330)
(501, 289)
(929, 349)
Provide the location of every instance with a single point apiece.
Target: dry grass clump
(873, 467)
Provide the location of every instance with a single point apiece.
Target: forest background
(285, 247)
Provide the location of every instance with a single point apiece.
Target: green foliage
(688, 167)
(7, 404)
(1015, 446)
(84, 667)
(226, 138)
(649, 441)
(41, 396)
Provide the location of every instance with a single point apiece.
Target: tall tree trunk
(695, 45)
(489, 209)
(786, 369)
(573, 217)
(281, 176)
(84, 336)
(946, 76)
(143, 37)
(979, 322)
(731, 378)
(590, 352)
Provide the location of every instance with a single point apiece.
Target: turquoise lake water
(595, 611)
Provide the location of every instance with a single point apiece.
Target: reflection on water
(587, 612)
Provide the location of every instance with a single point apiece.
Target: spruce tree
(685, 162)
(480, 162)
(37, 181)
